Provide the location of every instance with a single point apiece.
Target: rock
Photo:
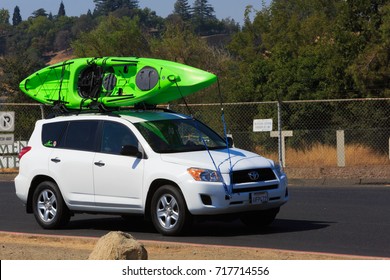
(117, 245)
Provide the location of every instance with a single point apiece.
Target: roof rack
(60, 109)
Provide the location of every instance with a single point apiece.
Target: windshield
(179, 135)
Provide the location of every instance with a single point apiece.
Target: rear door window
(81, 135)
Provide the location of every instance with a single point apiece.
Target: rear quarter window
(52, 134)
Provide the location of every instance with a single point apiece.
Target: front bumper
(205, 198)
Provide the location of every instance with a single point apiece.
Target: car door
(70, 162)
(118, 179)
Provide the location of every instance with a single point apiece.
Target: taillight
(24, 151)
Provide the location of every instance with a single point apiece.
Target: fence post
(42, 111)
(280, 148)
(284, 134)
(340, 148)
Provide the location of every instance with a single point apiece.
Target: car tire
(49, 207)
(259, 219)
(169, 212)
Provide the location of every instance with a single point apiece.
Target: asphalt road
(351, 220)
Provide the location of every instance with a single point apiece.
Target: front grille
(253, 175)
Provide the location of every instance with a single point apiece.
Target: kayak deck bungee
(82, 83)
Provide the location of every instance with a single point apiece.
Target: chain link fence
(326, 138)
(316, 135)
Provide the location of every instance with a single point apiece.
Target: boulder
(117, 245)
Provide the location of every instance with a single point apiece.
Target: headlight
(204, 175)
(278, 170)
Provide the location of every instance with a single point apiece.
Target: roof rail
(60, 110)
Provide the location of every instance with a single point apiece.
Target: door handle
(99, 163)
(56, 160)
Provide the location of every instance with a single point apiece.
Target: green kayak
(114, 82)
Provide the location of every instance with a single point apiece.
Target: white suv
(165, 166)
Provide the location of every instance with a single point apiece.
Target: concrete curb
(7, 176)
(338, 182)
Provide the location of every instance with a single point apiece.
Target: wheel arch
(34, 184)
(152, 189)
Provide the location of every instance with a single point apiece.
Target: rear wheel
(49, 207)
(259, 219)
(169, 211)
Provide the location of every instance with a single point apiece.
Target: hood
(240, 160)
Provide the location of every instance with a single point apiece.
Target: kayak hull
(114, 82)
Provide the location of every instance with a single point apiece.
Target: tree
(179, 43)
(39, 13)
(183, 9)
(15, 68)
(290, 51)
(203, 18)
(16, 17)
(61, 10)
(4, 29)
(366, 24)
(113, 37)
(84, 23)
(104, 7)
(203, 11)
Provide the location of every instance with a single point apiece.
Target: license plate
(259, 198)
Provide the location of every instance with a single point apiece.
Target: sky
(233, 9)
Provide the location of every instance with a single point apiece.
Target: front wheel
(49, 208)
(169, 211)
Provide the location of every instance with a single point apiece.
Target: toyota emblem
(254, 175)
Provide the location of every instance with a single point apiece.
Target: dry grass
(60, 56)
(326, 156)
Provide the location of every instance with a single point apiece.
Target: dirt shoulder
(38, 247)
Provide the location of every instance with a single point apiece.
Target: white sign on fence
(7, 121)
(6, 139)
(9, 154)
(262, 125)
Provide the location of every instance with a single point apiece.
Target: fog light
(206, 199)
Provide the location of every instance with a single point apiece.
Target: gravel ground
(38, 247)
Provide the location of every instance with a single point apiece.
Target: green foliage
(315, 49)
(19, 66)
(179, 43)
(113, 37)
(303, 49)
(39, 13)
(370, 68)
(4, 17)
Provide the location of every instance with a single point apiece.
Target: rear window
(52, 134)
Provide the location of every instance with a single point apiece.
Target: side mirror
(230, 142)
(132, 151)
